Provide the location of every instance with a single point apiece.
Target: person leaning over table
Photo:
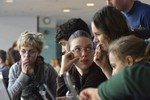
(131, 70)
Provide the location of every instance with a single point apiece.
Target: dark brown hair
(111, 22)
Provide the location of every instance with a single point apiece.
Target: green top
(130, 81)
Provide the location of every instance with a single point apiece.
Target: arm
(101, 59)
(129, 82)
(67, 60)
(16, 84)
(51, 80)
(89, 94)
(61, 86)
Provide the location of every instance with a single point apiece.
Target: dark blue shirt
(139, 15)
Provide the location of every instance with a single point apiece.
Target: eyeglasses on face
(29, 52)
(79, 50)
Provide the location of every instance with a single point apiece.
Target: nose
(113, 73)
(95, 40)
(63, 50)
(108, 2)
(27, 54)
(83, 52)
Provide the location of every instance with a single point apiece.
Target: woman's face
(116, 63)
(29, 54)
(99, 37)
(82, 47)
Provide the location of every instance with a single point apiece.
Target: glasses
(29, 53)
(79, 50)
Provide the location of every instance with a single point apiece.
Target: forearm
(16, 85)
(61, 86)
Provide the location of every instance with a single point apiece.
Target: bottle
(72, 93)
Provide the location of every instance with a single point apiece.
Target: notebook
(3, 91)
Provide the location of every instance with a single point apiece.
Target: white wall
(11, 27)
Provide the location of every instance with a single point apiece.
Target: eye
(89, 49)
(32, 51)
(23, 51)
(77, 49)
(62, 43)
(97, 34)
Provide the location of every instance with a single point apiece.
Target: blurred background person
(14, 52)
(55, 65)
(136, 12)
(9, 60)
(3, 67)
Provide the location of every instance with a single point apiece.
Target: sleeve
(51, 81)
(113, 88)
(61, 86)
(16, 84)
(129, 82)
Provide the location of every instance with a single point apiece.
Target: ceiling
(52, 8)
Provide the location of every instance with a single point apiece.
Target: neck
(129, 6)
(81, 71)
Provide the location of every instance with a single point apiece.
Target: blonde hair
(128, 45)
(30, 39)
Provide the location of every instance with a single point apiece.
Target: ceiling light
(9, 1)
(90, 4)
(66, 10)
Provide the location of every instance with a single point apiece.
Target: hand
(26, 68)
(89, 94)
(67, 60)
(101, 59)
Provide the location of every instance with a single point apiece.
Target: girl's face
(99, 37)
(29, 54)
(82, 47)
(116, 63)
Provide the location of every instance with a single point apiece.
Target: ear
(129, 60)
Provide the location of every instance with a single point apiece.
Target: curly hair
(30, 39)
(64, 31)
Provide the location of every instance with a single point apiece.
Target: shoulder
(95, 68)
(15, 66)
(97, 72)
(142, 6)
(49, 69)
(137, 70)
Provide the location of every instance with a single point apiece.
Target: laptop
(3, 90)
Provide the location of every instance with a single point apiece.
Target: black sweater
(93, 78)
